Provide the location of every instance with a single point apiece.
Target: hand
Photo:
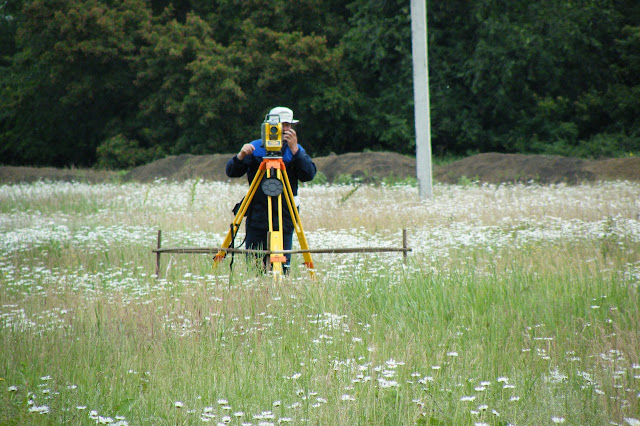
(291, 138)
(247, 149)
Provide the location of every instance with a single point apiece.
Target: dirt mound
(182, 167)
(11, 174)
(545, 169)
(368, 166)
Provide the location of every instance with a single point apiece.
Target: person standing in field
(300, 168)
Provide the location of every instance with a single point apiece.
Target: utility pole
(421, 96)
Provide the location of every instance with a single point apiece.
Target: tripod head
(273, 155)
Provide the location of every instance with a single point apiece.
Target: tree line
(117, 83)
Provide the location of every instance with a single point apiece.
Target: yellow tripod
(276, 183)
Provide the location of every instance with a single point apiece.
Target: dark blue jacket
(299, 167)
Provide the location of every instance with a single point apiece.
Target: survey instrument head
(272, 133)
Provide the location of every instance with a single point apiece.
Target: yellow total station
(272, 133)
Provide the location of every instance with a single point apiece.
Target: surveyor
(300, 167)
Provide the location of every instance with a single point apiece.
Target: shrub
(119, 152)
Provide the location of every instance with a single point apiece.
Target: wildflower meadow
(517, 305)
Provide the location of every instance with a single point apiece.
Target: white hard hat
(286, 115)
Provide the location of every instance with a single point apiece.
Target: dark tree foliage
(69, 80)
(10, 17)
(117, 83)
(542, 76)
(378, 45)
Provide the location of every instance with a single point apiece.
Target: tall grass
(518, 305)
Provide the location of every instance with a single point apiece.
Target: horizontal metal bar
(211, 250)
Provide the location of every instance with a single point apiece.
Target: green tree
(9, 20)
(378, 55)
(282, 68)
(187, 87)
(69, 79)
(125, 81)
(541, 76)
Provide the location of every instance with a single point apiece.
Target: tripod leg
(237, 220)
(297, 224)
